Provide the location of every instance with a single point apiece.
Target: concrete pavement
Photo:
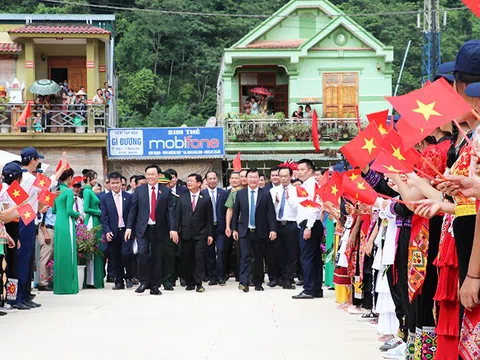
(220, 324)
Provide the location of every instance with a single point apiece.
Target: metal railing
(271, 130)
(55, 118)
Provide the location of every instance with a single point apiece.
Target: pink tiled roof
(52, 29)
(10, 47)
(275, 44)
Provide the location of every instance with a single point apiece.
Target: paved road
(220, 324)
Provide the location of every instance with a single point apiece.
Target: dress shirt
(306, 213)
(174, 190)
(79, 201)
(255, 196)
(33, 191)
(5, 198)
(118, 197)
(50, 218)
(150, 221)
(213, 198)
(197, 195)
(290, 212)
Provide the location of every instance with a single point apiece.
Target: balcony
(55, 125)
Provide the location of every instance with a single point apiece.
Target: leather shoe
(222, 283)
(190, 287)
(200, 288)
(129, 283)
(141, 289)
(32, 304)
(110, 279)
(45, 288)
(183, 282)
(168, 287)
(21, 306)
(243, 287)
(259, 288)
(212, 282)
(119, 286)
(318, 295)
(288, 285)
(155, 291)
(300, 283)
(302, 295)
(272, 283)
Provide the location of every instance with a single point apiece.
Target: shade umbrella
(6, 157)
(309, 101)
(45, 87)
(261, 91)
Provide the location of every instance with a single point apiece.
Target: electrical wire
(262, 16)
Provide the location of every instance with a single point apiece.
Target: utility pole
(431, 39)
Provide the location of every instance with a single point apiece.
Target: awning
(59, 29)
(162, 158)
(10, 47)
(282, 157)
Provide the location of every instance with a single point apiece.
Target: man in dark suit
(153, 217)
(174, 186)
(253, 224)
(194, 223)
(115, 209)
(215, 262)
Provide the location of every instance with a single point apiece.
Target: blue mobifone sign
(178, 142)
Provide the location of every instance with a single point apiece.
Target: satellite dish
(211, 122)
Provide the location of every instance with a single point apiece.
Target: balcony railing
(56, 118)
(272, 130)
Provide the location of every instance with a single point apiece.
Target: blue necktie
(252, 209)
(214, 204)
(282, 205)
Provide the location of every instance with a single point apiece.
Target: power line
(217, 14)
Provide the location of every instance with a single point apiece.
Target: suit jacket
(265, 218)
(109, 211)
(194, 225)
(140, 211)
(181, 190)
(222, 196)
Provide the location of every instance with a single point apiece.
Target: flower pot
(80, 129)
(81, 276)
(4, 129)
(99, 130)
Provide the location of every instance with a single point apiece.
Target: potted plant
(87, 247)
(79, 122)
(335, 135)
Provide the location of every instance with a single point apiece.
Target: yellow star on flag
(42, 182)
(391, 168)
(334, 190)
(27, 215)
(382, 130)
(353, 177)
(47, 198)
(369, 145)
(396, 153)
(16, 193)
(361, 185)
(427, 110)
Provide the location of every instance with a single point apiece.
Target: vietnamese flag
(325, 178)
(355, 187)
(310, 204)
(60, 165)
(393, 144)
(26, 113)
(380, 119)
(46, 197)
(332, 190)
(386, 163)
(237, 163)
(473, 5)
(316, 142)
(431, 106)
(27, 213)
(16, 193)
(42, 182)
(363, 148)
(410, 134)
(301, 192)
(76, 180)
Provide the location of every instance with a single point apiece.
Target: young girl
(37, 123)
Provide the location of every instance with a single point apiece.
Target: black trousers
(401, 265)
(192, 260)
(311, 256)
(150, 257)
(367, 283)
(252, 247)
(399, 308)
(169, 263)
(211, 261)
(121, 256)
(287, 243)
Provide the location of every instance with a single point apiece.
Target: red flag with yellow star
(26, 213)
(410, 134)
(316, 142)
(310, 204)
(386, 163)
(46, 197)
(363, 148)
(380, 119)
(237, 163)
(301, 192)
(356, 188)
(473, 5)
(393, 144)
(60, 165)
(430, 106)
(42, 182)
(332, 190)
(16, 193)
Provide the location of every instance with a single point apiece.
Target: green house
(308, 48)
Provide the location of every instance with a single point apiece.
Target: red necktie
(153, 204)
(193, 202)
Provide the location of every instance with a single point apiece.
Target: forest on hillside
(168, 64)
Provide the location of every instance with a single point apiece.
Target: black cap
(12, 170)
(30, 153)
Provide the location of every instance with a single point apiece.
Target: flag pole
(406, 203)
(359, 125)
(423, 173)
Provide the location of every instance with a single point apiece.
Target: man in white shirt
(311, 232)
(78, 201)
(284, 252)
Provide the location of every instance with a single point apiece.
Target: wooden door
(340, 95)
(281, 99)
(77, 77)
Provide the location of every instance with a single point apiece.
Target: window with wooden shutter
(7, 69)
(340, 95)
